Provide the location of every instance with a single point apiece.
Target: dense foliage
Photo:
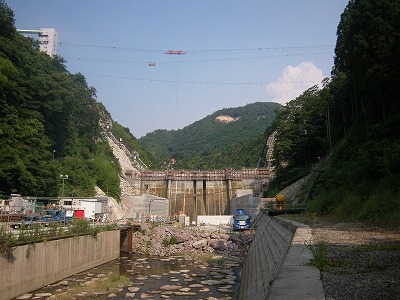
(49, 123)
(212, 144)
(358, 111)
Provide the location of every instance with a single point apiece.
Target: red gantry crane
(175, 52)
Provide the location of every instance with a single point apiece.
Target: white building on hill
(48, 39)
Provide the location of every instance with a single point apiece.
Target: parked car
(241, 220)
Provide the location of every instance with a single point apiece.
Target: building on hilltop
(48, 39)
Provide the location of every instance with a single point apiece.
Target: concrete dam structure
(198, 192)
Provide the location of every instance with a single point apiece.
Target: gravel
(363, 260)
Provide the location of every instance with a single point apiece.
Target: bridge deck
(226, 174)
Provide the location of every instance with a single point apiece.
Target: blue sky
(237, 52)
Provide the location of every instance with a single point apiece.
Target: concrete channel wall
(30, 267)
(275, 264)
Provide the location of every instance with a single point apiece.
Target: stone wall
(30, 267)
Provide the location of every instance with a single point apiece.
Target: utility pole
(63, 178)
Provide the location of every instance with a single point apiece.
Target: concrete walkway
(295, 280)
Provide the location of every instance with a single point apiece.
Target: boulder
(180, 238)
(224, 236)
(217, 244)
(200, 244)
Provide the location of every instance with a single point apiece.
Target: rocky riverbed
(362, 260)
(169, 263)
(191, 242)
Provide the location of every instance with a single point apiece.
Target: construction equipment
(280, 201)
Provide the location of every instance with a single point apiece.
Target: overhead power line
(278, 33)
(200, 60)
(258, 49)
(202, 82)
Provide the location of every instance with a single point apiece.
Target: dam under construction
(196, 193)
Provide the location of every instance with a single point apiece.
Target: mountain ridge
(215, 133)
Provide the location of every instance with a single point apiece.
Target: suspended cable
(202, 82)
(200, 60)
(110, 47)
(258, 49)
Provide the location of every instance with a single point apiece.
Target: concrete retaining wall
(275, 265)
(215, 220)
(251, 204)
(31, 267)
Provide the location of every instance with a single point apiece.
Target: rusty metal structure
(225, 174)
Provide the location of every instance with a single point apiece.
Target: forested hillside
(231, 137)
(354, 118)
(49, 124)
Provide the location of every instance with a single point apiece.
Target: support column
(168, 196)
(130, 233)
(169, 184)
(205, 196)
(195, 199)
(229, 196)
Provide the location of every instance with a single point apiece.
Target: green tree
(367, 52)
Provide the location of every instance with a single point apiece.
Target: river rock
(170, 287)
(200, 244)
(211, 282)
(185, 293)
(184, 271)
(167, 293)
(42, 295)
(133, 289)
(25, 296)
(182, 237)
(141, 278)
(223, 290)
(224, 236)
(196, 285)
(217, 244)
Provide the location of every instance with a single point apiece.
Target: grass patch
(376, 266)
(55, 230)
(171, 240)
(320, 259)
(109, 284)
(208, 258)
(376, 248)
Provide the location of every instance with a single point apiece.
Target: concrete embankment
(275, 264)
(33, 266)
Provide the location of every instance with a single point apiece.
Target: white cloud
(294, 81)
